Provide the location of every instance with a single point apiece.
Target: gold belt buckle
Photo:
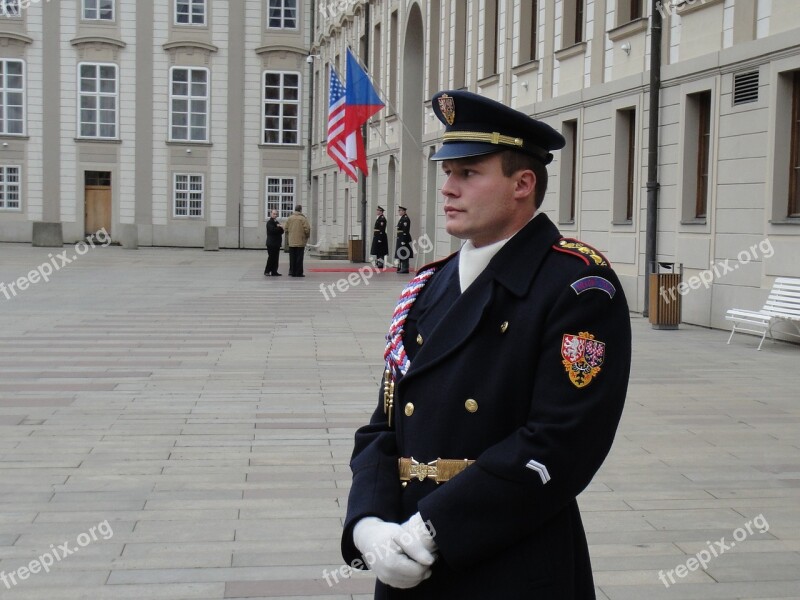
(423, 471)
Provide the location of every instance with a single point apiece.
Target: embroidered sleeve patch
(594, 282)
(583, 356)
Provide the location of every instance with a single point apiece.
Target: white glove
(417, 541)
(373, 537)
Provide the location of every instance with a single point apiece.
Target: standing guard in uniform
(380, 241)
(507, 367)
(403, 250)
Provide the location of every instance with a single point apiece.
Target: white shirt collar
(472, 261)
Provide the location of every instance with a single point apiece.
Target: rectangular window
(624, 158)
(9, 188)
(628, 10)
(12, 97)
(282, 14)
(794, 173)
(578, 21)
(528, 31)
(10, 8)
(190, 12)
(572, 26)
(630, 117)
(97, 99)
(569, 173)
(189, 195)
(189, 104)
(280, 196)
(98, 10)
(490, 37)
(703, 101)
(393, 60)
(635, 10)
(281, 107)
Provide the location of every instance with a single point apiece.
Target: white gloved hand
(417, 541)
(373, 537)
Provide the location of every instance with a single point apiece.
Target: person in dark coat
(507, 367)
(274, 243)
(403, 249)
(380, 241)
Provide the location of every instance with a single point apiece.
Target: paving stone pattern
(207, 412)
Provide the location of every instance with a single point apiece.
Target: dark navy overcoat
(526, 372)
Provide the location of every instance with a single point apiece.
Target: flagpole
(363, 177)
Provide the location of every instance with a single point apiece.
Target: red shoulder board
(577, 248)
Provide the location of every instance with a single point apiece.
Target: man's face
(274, 214)
(480, 203)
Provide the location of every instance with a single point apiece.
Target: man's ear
(525, 184)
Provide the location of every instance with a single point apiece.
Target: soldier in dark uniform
(507, 366)
(274, 242)
(403, 250)
(380, 241)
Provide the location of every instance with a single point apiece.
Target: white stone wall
(69, 77)
(162, 186)
(217, 179)
(126, 187)
(33, 171)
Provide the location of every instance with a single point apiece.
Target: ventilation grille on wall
(745, 87)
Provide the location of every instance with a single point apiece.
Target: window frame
(281, 196)
(3, 95)
(283, 9)
(281, 103)
(98, 9)
(191, 3)
(189, 99)
(703, 163)
(4, 188)
(189, 177)
(568, 172)
(17, 14)
(793, 200)
(98, 95)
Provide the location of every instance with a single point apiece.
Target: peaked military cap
(380, 208)
(475, 125)
(401, 208)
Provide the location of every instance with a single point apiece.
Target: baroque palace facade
(153, 119)
(729, 139)
(159, 120)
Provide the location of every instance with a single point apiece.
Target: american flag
(337, 147)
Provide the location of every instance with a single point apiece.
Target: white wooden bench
(783, 305)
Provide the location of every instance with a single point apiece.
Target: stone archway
(412, 109)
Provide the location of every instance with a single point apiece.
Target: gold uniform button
(503, 326)
(419, 339)
(409, 409)
(471, 405)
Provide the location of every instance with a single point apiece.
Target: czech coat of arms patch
(583, 356)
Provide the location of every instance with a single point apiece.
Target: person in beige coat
(298, 230)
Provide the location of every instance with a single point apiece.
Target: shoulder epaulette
(583, 251)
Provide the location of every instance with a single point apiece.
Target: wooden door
(98, 209)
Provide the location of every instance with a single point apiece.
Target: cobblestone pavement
(186, 423)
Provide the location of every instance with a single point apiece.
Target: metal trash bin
(665, 297)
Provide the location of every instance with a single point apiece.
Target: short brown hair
(512, 161)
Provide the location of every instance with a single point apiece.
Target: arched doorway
(412, 108)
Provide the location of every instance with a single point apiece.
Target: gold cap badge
(447, 106)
